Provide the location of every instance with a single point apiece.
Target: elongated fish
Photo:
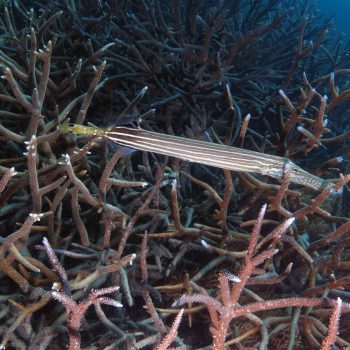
(217, 155)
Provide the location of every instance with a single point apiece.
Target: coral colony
(174, 175)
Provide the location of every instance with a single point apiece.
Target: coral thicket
(103, 247)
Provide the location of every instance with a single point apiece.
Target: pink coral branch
(333, 326)
(169, 338)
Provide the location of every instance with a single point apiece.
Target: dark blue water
(341, 11)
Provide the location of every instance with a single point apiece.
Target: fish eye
(297, 170)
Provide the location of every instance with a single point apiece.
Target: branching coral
(186, 227)
(222, 313)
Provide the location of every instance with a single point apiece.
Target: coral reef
(103, 247)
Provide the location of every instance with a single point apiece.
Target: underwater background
(103, 247)
(341, 10)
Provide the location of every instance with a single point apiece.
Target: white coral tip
(204, 244)
(36, 216)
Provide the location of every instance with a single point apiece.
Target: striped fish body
(212, 154)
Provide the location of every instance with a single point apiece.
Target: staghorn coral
(206, 64)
